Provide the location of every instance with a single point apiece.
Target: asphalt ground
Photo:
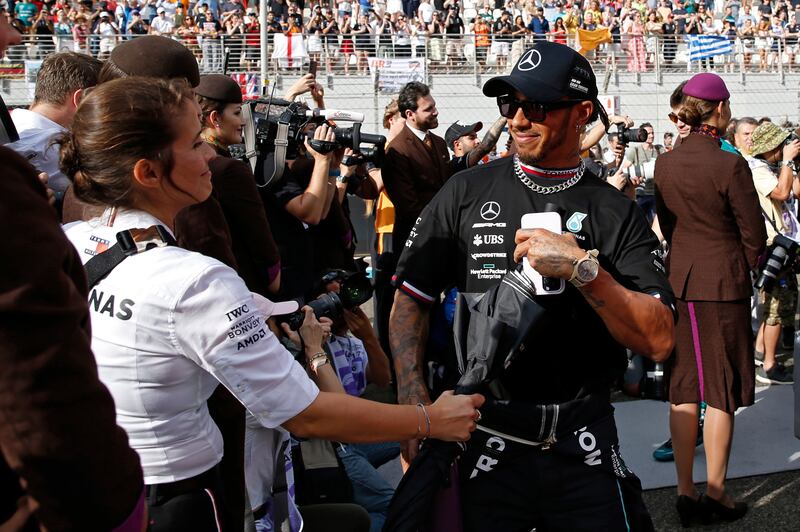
(773, 499)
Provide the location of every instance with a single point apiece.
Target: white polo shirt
(169, 325)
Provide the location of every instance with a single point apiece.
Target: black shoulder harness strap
(129, 242)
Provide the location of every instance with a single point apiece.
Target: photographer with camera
(357, 359)
(773, 152)
(641, 158)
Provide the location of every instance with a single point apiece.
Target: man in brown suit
(417, 161)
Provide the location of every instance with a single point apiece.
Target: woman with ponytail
(169, 325)
(709, 215)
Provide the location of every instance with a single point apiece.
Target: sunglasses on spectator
(533, 111)
(673, 118)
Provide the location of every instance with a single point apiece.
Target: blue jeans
(370, 489)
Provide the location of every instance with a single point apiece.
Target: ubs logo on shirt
(479, 239)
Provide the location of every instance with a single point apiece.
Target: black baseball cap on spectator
(548, 72)
(456, 131)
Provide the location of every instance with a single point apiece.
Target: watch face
(587, 270)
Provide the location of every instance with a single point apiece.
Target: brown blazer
(58, 431)
(412, 175)
(709, 214)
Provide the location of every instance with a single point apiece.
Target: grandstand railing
(458, 54)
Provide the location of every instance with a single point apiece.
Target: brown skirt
(713, 357)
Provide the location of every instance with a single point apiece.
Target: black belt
(543, 424)
(159, 493)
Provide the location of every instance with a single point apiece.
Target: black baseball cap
(456, 131)
(548, 72)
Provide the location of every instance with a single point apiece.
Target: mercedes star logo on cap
(529, 61)
(490, 210)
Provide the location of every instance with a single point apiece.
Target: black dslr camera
(631, 134)
(791, 138)
(354, 290)
(275, 129)
(783, 256)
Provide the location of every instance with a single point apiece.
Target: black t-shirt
(499, 26)
(794, 29)
(465, 238)
(291, 235)
(455, 26)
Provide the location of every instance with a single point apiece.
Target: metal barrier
(442, 53)
(366, 76)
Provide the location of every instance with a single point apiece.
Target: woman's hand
(453, 417)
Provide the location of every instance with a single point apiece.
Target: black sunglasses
(533, 111)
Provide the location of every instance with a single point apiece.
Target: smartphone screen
(312, 67)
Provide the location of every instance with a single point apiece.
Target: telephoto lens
(326, 306)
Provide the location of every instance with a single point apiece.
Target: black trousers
(192, 505)
(511, 487)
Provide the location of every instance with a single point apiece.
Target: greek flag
(703, 46)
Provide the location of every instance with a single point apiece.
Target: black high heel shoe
(725, 513)
(691, 510)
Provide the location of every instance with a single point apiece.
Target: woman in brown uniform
(709, 215)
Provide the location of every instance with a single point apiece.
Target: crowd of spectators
(447, 32)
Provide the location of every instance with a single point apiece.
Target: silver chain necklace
(528, 182)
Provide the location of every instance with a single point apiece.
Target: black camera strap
(129, 242)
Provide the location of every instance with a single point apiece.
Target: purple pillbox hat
(707, 86)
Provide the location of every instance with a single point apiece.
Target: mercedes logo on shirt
(529, 61)
(490, 210)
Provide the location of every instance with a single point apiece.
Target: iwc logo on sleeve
(529, 61)
(490, 210)
(575, 222)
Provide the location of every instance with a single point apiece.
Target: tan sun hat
(767, 137)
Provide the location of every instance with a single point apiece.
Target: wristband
(334, 173)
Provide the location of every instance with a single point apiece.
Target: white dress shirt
(35, 134)
(169, 325)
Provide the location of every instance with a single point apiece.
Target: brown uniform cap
(219, 87)
(155, 56)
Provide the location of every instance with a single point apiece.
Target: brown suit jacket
(58, 431)
(709, 214)
(412, 175)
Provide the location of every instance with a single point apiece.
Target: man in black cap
(571, 476)
(463, 141)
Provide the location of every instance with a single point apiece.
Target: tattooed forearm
(594, 302)
(408, 334)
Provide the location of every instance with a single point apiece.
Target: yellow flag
(588, 40)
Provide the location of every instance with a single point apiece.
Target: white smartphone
(550, 221)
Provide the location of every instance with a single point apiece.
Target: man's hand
(303, 85)
(636, 180)
(550, 254)
(358, 323)
(619, 180)
(323, 132)
(791, 150)
(51, 195)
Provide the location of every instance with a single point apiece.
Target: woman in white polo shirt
(169, 325)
